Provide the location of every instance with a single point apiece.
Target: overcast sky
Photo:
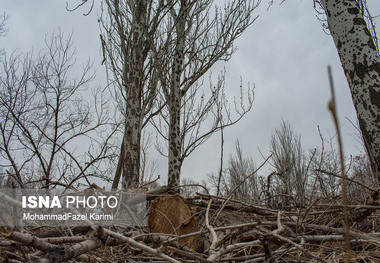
(284, 53)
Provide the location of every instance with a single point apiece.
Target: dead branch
(333, 111)
(210, 228)
(66, 253)
(232, 192)
(219, 253)
(143, 247)
(32, 241)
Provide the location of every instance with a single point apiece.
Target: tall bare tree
(195, 37)
(202, 114)
(288, 160)
(44, 120)
(361, 63)
(129, 30)
(238, 167)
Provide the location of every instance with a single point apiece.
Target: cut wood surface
(169, 214)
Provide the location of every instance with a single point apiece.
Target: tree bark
(130, 30)
(175, 96)
(134, 74)
(361, 65)
(132, 139)
(175, 163)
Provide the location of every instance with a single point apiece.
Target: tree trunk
(119, 168)
(175, 147)
(174, 166)
(132, 138)
(361, 65)
(134, 74)
(130, 31)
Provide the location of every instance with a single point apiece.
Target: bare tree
(202, 115)
(44, 121)
(326, 163)
(238, 167)
(16, 74)
(361, 63)
(360, 172)
(194, 38)
(129, 30)
(288, 160)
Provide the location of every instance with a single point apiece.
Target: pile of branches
(227, 230)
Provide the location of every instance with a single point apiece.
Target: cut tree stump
(169, 214)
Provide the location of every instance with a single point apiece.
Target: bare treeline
(294, 177)
(51, 135)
